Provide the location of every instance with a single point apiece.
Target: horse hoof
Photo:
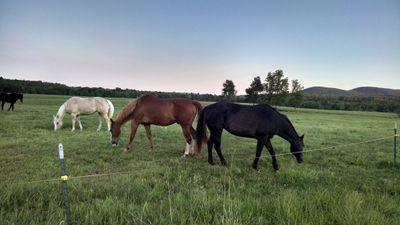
(211, 163)
(255, 167)
(126, 149)
(185, 155)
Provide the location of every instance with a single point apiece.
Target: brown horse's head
(115, 131)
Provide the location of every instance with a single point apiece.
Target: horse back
(159, 111)
(185, 110)
(8, 97)
(83, 106)
(243, 120)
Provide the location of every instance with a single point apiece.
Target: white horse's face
(57, 122)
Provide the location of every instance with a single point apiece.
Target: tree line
(273, 89)
(39, 87)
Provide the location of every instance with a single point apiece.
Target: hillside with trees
(275, 91)
(360, 91)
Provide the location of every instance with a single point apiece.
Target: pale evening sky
(193, 46)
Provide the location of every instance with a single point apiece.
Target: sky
(194, 46)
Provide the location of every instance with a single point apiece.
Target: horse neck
(61, 112)
(289, 133)
(126, 113)
(121, 121)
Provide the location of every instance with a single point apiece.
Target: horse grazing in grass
(261, 122)
(149, 110)
(77, 106)
(11, 98)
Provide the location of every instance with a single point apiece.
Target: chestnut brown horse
(149, 110)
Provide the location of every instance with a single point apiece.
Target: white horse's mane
(61, 111)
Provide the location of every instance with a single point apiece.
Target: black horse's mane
(283, 116)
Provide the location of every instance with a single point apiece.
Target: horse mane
(61, 111)
(288, 121)
(284, 117)
(127, 111)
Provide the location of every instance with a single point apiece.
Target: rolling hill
(360, 91)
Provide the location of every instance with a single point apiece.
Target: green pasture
(347, 185)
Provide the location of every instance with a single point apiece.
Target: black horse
(261, 122)
(10, 98)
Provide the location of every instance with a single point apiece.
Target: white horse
(77, 106)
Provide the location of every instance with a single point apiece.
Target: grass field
(348, 185)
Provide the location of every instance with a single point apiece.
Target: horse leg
(188, 138)
(2, 105)
(134, 126)
(79, 122)
(108, 121)
(10, 107)
(210, 146)
(100, 123)
(272, 153)
(73, 116)
(217, 146)
(260, 146)
(148, 133)
(193, 133)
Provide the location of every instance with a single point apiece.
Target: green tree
(256, 87)
(276, 87)
(296, 94)
(228, 90)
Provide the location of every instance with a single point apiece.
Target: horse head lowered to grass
(260, 122)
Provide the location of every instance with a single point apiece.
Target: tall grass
(351, 185)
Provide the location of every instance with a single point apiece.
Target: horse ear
(302, 137)
(112, 121)
(54, 117)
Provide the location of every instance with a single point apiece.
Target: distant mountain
(360, 91)
(375, 91)
(326, 91)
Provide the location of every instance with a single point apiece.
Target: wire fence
(64, 177)
(136, 169)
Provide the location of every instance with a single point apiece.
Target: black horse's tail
(201, 134)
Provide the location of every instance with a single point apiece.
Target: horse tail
(201, 135)
(199, 108)
(111, 109)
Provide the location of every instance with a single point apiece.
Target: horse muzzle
(114, 143)
(300, 160)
